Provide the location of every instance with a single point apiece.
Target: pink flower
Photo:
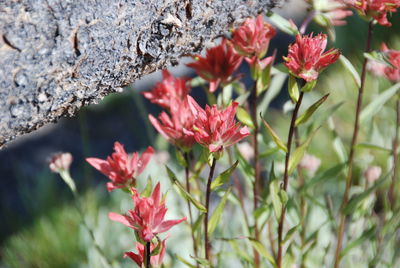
(252, 38)
(155, 260)
(218, 65)
(376, 9)
(147, 218)
(392, 72)
(121, 168)
(169, 88)
(60, 162)
(306, 58)
(337, 16)
(176, 128)
(216, 129)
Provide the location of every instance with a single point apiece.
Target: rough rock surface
(57, 55)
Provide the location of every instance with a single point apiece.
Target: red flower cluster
(121, 168)
(218, 65)
(170, 88)
(253, 37)
(392, 71)
(147, 218)
(176, 128)
(216, 129)
(306, 58)
(155, 260)
(376, 9)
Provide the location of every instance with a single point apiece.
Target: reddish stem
(208, 193)
(391, 195)
(349, 177)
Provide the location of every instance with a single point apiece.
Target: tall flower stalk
(392, 197)
(349, 177)
(208, 194)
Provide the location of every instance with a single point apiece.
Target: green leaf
(198, 222)
(290, 234)
(373, 147)
(299, 152)
(260, 248)
(148, 189)
(181, 190)
(181, 159)
(358, 198)
(274, 192)
(378, 57)
(274, 136)
(197, 82)
(216, 216)
(307, 114)
(322, 116)
(367, 235)
(244, 117)
(239, 251)
(202, 261)
(275, 87)
(242, 98)
(224, 176)
(282, 24)
(328, 174)
(350, 68)
(377, 103)
(309, 86)
(293, 89)
(188, 264)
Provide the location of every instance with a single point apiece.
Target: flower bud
(60, 162)
(372, 174)
(310, 163)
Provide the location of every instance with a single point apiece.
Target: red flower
(155, 260)
(169, 88)
(216, 129)
(147, 218)
(392, 72)
(176, 128)
(306, 58)
(376, 9)
(252, 38)
(120, 168)
(218, 65)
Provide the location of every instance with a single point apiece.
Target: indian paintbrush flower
(169, 88)
(391, 68)
(216, 129)
(253, 37)
(376, 9)
(147, 217)
(121, 168)
(218, 65)
(176, 127)
(306, 57)
(139, 257)
(60, 162)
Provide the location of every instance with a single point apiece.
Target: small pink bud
(372, 174)
(310, 163)
(60, 161)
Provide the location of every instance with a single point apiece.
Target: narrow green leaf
(378, 57)
(290, 234)
(373, 147)
(377, 103)
(307, 114)
(356, 199)
(239, 251)
(328, 174)
(350, 68)
(188, 264)
(224, 176)
(322, 116)
(274, 193)
(148, 189)
(198, 222)
(274, 136)
(201, 261)
(293, 89)
(181, 159)
(216, 216)
(244, 117)
(181, 190)
(242, 98)
(197, 82)
(299, 152)
(260, 248)
(367, 235)
(282, 24)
